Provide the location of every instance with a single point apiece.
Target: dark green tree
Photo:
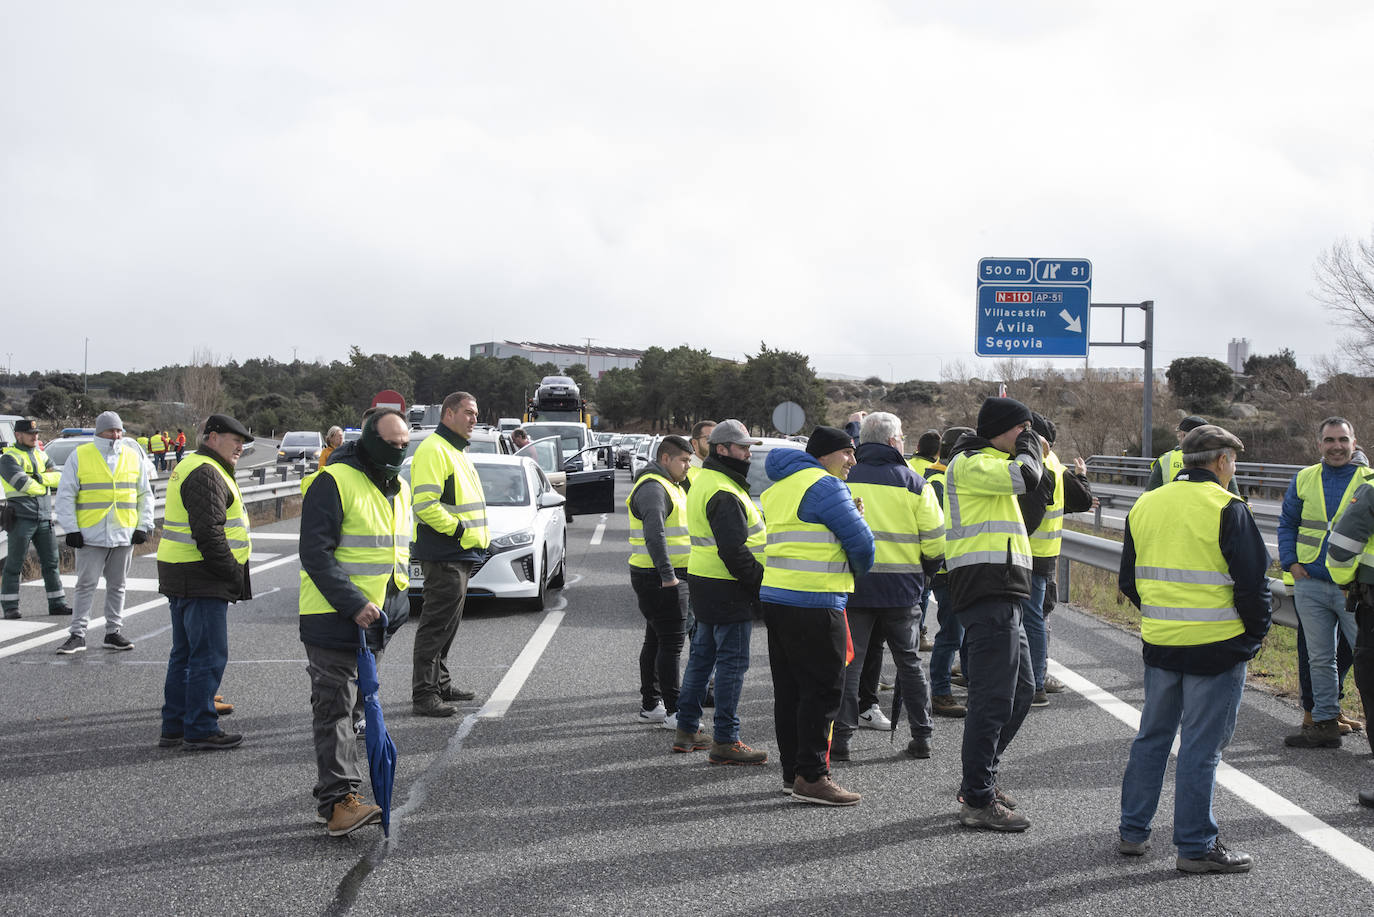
(50, 402)
(1202, 384)
(618, 396)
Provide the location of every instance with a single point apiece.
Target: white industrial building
(596, 359)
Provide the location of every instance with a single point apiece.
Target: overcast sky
(279, 179)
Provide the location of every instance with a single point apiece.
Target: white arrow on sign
(1071, 322)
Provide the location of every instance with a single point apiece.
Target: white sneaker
(669, 721)
(873, 718)
(655, 715)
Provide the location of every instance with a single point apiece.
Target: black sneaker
(58, 610)
(1218, 859)
(220, 740)
(918, 747)
(11, 614)
(73, 644)
(452, 694)
(166, 741)
(117, 641)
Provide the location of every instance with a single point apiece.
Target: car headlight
(513, 540)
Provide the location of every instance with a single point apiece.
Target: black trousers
(1364, 646)
(665, 632)
(1001, 686)
(806, 653)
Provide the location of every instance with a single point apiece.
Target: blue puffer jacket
(828, 502)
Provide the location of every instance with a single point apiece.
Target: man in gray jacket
(659, 545)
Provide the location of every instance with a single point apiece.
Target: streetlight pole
(85, 363)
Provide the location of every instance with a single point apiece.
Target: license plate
(417, 575)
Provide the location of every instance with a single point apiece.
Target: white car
(527, 554)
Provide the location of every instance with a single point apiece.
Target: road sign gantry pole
(1147, 345)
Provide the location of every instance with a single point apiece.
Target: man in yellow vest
(701, 447)
(909, 543)
(927, 452)
(817, 543)
(1350, 562)
(1311, 507)
(724, 570)
(202, 566)
(949, 640)
(355, 556)
(1193, 561)
(158, 444)
(451, 537)
(988, 556)
(28, 477)
(659, 549)
(105, 505)
(1168, 465)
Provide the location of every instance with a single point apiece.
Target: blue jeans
(1321, 609)
(948, 641)
(200, 650)
(1033, 619)
(724, 647)
(1202, 709)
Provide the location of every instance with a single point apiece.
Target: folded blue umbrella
(381, 751)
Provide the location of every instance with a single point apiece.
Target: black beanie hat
(825, 440)
(1043, 426)
(1191, 422)
(998, 415)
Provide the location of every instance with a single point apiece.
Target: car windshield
(301, 439)
(571, 437)
(544, 452)
(504, 485)
(484, 446)
(59, 450)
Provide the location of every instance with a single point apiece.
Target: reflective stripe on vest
(802, 556)
(983, 523)
(367, 558)
(674, 526)
(1343, 572)
(1186, 592)
(1170, 464)
(1047, 540)
(101, 492)
(891, 512)
(704, 559)
(177, 545)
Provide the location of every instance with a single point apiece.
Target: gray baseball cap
(732, 431)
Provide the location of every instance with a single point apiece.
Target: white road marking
(9, 630)
(506, 692)
(257, 558)
(600, 528)
(131, 583)
(97, 623)
(276, 536)
(1342, 848)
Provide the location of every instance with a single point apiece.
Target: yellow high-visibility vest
(983, 522)
(101, 492)
(674, 526)
(177, 545)
(801, 556)
(374, 541)
(704, 558)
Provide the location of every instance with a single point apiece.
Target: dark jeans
(1345, 658)
(724, 648)
(665, 630)
(871, 665)
(949, 640)
(1000, 688)
(901, 627)
(446, 589)
(333, 694)
(806, 652)
(39, 531)
(200, 650)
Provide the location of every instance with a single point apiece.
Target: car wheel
(556, 581)
(542, 598)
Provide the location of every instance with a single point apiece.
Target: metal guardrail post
(1061, 578)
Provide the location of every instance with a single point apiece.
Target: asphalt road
(546, 796)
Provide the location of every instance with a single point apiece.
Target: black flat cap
(223, 423)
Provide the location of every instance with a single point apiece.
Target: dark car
(300, 447)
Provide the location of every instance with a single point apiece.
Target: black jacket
(976, 583)
(718, 601)
(1247, 559)
(207, 499)
(321, 523)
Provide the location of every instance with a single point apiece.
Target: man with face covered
(355, 555)
(451, 536)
